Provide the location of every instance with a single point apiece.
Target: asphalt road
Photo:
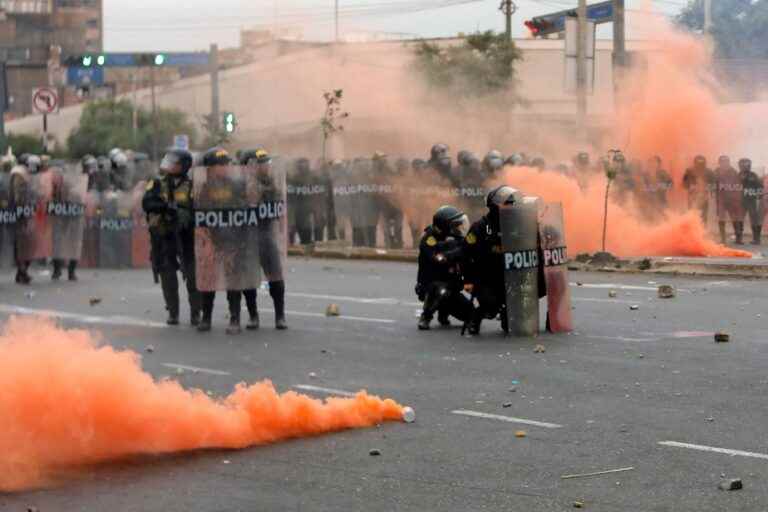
(602, 398)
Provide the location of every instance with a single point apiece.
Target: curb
(663, 266)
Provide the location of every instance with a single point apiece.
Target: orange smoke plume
(627, 235)
(67, 402)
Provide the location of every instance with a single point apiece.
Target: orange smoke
(66, 402)
(678, 235)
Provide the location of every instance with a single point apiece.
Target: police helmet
(745, 164)
(89, 163)
(216, 156)
(465, 157)
(177, 156)
(255, 156)
(118, 157)
(502, 195)
(450, 221)
(33, 163)
(699, 160)
(582, 158)
(438, 151)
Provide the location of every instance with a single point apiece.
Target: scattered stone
(312, 375)
(634, 307)
(734, 484)
(33, 509)
(513, 389)
(539, 349)
(123, 299)
(640, 356)
(506, 404)
(666, 292)
(150, 348)
(179, 371)
(710, 419)
(583, 257)
(323, 351)
(578, 504)
(375, 452)
(332, 310)
(409, 415)
(579, 283)
(94, 301)
(30, 295)
(612, 294)
(603, 258)
(721, 337)
(225, 462)
(521, 433)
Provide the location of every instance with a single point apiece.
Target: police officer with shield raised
(168, 205)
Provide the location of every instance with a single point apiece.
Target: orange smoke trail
(66, 402)
(679, 235)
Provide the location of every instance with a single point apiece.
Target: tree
(213, 133)
(739, 27)
(482, 65)
(22, 143)
(107, 124)
(332, 117)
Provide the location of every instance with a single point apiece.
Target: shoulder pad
(431, 241)
(471, 238)
(150, 185)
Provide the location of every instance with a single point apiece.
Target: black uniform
(484, 269)
(752, 189)
(301, 184)
(439, 281)
(168, 205)
(699, 182)
(391, 214)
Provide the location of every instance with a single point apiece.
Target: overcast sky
(149, 25)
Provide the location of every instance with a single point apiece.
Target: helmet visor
(460, 226)
(169, 161)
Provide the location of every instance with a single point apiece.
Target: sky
(162, 25)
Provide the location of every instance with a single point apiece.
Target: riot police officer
(698, 182)
(21, 195)
(752, 189)
(271, 235)
(303, 206)
(484, 267)
(119, 166)
(439, 281)
(441, 165)
(168, 205)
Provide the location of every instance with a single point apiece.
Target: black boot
(738, 228)
(253, 313)
(234, 325)
(72, 276)
(22, 274)
(757, 230)
(721, 226)
(277, 292)
(442, 319)
(233, 299)
(206, 298)
(57, 264)
(424, 321)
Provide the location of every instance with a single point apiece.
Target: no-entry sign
(45, 100)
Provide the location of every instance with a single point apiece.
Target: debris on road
(312, 375)
(30, 295)
(539, 349)
(521, 433)
(332, 310)
(94, 301)
(634, 307)
(150, 348)
(513, 389)
(597, 473)
(710, 420)
(612, 294)
(375, 452)
(721, 337)
(733, 484)
(225, 462)
(666, 292)
(409, 415)
(506, 405)
(578, 504)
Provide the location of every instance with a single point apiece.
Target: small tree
(332, 117)
(481, 66)
(214, 134)
(610, 163)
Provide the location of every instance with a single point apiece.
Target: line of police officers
(170, 201)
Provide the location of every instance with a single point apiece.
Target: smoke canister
(409, 415)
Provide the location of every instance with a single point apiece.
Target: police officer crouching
(439, 281)
(168, 205)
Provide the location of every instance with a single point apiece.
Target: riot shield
(519, 239)
(341, 201)
(266, 191)
(34, 228)
(555, 260)
(7, 222)
(92, 230)
(140, 245)
(67, 212)
(115, 230)
(368, 202)
(226, 223)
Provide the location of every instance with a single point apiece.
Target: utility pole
(508, 7)
(213, 63)
(619, 51)
(3, 97)
(336, 22)
(707, 16)
(581, 64)
(154, 113)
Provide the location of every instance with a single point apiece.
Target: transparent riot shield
(226, 224)
(67, 213)
(266, 188)
(519, 239)
(92, 230)
(34, 233)
(7, 222)
(555, 261)
(115, 230)
(140, 244)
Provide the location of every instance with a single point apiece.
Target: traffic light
(101, 60)
(87, 60)
(159, 59)
(229, 122)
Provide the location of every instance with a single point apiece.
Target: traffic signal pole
(154, 113)
(214, 70)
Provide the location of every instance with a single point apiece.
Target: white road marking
(615, 286)
(195, 369)
(341, 317)
(618, 301)
(621, 338)
(329, 391)
(86, 319)
(713, 449)
(382, 301)
(508, 419)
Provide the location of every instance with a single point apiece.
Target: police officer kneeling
(168, 204)
(439, 281)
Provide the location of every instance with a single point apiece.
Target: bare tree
(331, 123)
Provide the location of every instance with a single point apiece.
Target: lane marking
(622, 338)
(86, 319)
(509, 419)
(383, 301)
(341, 317)
(195, 369)
(329, 391)
(618, 301)
(601, 286)
(703, 448)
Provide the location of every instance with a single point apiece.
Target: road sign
(181, 141)
(45, 100)
(79, 77)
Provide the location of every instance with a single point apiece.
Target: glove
(420, 292)
(440, 257)
(469, 287)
